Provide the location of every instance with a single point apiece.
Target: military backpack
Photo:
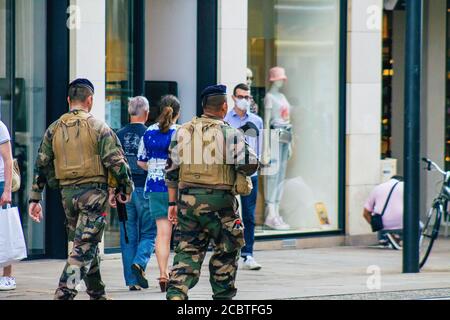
(203, 138)
(75, 146)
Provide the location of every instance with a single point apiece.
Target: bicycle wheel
(429, 233)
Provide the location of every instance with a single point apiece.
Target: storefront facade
(331, 51)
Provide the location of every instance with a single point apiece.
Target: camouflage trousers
(204, 217)
(85, 219)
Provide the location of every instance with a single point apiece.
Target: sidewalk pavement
(330, 273)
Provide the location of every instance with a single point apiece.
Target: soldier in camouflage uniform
(207, 209)
(77, 154)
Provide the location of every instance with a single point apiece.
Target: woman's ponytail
(170, 109)
(165, 120)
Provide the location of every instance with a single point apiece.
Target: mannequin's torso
(277, 108)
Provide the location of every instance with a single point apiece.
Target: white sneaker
(7, 284)
(251, 264)
(277, 223)
(394, 241)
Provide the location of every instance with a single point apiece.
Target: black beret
(218, 90)
(82, 83)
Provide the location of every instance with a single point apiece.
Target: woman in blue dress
(152, 157)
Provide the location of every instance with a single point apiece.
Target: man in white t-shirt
(7, 282)
(393, 215)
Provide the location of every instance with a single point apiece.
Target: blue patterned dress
(154, 149)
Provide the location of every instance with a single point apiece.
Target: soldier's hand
(123, 198)
(173, 215)
(112, 199)
(35, 212)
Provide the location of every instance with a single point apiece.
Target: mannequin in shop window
(253, 105)
(277, 147)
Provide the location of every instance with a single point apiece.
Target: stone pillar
(87, 47)
(87, 22)
(232, 43)
(363, 108)
(434, 97)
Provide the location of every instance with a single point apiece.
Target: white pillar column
(87, 24)
(88, 49)
(232, 43)
(363, 108)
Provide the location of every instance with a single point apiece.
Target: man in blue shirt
(240, 117)
(141, 227)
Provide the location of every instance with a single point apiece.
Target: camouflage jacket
(242, 156)
(110, 151)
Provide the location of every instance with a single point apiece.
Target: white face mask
(242, 104)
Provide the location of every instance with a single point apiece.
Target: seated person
(393, 214)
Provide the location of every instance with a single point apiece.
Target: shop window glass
(2, 39)
(119, 61)
(302, 37)
(5, 72)
(447, 104)
(388, 73)
(119, 82)
(29, 114)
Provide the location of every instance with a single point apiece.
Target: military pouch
(243, 185)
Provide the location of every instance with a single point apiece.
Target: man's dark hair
(398, 178)
(241, 86)
(214, 103)
(79, 93)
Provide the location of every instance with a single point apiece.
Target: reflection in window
(301, 36)
(447, 106)
(2, 39)
(119, 82)
(30, 105)
(119, 61)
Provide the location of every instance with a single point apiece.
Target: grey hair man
(140, 226)
(138, 109)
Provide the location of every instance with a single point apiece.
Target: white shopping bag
(12, 241)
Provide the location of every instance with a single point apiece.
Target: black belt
(203, 191)
(103, 186)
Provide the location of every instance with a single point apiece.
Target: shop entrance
(393, 86)
(435, 102)
(168, 40)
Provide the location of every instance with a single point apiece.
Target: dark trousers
(248, 217)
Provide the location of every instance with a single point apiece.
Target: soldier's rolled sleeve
(44, 171)
(173, 164)
(114, 160)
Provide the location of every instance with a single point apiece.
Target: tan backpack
(75, 147)
(221, 174)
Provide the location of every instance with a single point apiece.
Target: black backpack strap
(389, 198)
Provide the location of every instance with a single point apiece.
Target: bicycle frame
(440, 206)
